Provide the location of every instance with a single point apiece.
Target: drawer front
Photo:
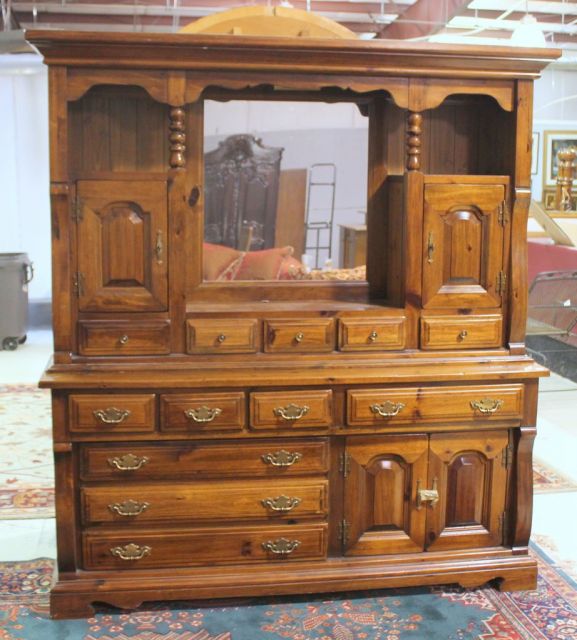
(97, 338)
(460, 332)
(106, 413)
(203, 412)
(156, 549)
(377, 334)
(276, 458)
(200, 501)
(222, 336)
(293, 336)
(373, 407)
(291, 410)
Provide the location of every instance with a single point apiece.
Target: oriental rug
(549, 613)
(26, 466)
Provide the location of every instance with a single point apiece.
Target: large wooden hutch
(218, 439)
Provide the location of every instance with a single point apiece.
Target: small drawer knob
(221, 338)
(373, 335)
(299, 337)
(462, 335)
(123, 339)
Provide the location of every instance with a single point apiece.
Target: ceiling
(458, 21)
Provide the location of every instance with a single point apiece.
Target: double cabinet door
(418, 492)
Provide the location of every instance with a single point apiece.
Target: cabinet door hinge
(501, 283)
(507, 456)
(504, 216)
(503, 526)
(344, 528)
(78, 284)
(78, 210)
(345, 466)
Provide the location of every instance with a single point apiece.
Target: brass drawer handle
(202, 414)
(462, 335)
(221, 338)
(159, 247)
(282, 546)
(131, 551)
(281, 504)
(129, 508)
(373, 335)
(123, 339)
(111, 415)
(282, 458)
(487, 405)
(128, 462)
(387, 409)
(291, 412)
(299, 337)
(427, 495)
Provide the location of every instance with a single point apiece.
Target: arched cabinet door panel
(122, 245)
(463, 245)
(380, 515)
(469, 472)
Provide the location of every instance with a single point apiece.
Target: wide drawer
(371, 334)
(203, 412)
(205, 500)
(374, 407)
(104, 413)
(291, 409)
(461, 332)
(228, 460)
(103, 338)
(294, 336)
(156, 549)
(216, 335)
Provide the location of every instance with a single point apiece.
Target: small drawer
(203, 412)
(291, 409)
(103, 338)
(221, 336)
(371, 334)
(105, 413)
(274, 458)
(293, 336)
(461, 332)
(374, 407)
(218, 545)
(208, 500)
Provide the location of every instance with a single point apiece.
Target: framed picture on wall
(553, 143)
(535, 154)
(549, 199)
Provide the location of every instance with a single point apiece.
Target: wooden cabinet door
(469, 472)
(462, 245)
(380, 515)
(122, 245)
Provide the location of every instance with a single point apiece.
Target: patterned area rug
(26, 468)
(549, 613)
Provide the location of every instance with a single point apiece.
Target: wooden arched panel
(379, 511)
(122, 251)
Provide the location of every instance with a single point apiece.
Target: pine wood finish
(225, 439)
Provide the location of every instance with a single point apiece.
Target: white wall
(24, 173)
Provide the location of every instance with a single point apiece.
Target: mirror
(285, 191)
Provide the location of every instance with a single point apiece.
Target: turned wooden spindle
(565, 172)
(414, 131)
(177, 137)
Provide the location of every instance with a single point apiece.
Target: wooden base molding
(77, 597)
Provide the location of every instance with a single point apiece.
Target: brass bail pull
(291, 412)
(202, 414)
(387, 409)
(427, 495)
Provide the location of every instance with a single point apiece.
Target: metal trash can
(16, 272)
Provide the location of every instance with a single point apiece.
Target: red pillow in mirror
(262, 265)
(218, 262)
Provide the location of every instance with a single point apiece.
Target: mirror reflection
(285, 191)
